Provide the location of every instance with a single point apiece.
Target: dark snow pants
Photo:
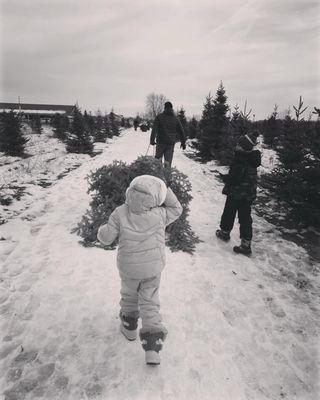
(243, 208)
(166, 150)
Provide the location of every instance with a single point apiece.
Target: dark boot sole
(243, 254)
(152, 358)
(222, 238)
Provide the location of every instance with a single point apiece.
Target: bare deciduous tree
(154, 104)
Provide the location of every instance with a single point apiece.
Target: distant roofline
(28, 106)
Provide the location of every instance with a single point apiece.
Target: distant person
(140, 226)
(166, 131)
(241, 189)
(144, 127)
(136, 123)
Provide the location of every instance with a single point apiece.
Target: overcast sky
(106, 53)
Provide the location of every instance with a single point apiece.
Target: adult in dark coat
(241, 190)
(166, 131)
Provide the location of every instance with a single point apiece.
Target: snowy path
(239, 328)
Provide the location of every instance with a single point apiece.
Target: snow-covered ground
(25, 178)
(239, 328)
(269, 157)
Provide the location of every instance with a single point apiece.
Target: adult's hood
(144, 193)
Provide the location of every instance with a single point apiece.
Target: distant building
(45, 111)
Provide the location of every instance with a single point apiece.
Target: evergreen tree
(240, 123)
(86, 117)
(207, 112)
(220, 108)
(206, 122)
(314, 137)
(89, 122)
(100, 131)
(236, 122)
(114, 124)
(60, 124)
(128, 123)
(214, 126)
(12, 141)
(296, 181)
(183, 120)
(108, 186)
(235, 114)
(271, 128)
(36, 125)
(291, 144)
(79, 140)
(193, 128)
(107, 127)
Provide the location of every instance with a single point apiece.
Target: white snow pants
(140, 297)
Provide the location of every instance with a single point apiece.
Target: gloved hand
(183, 145)
(152, 142)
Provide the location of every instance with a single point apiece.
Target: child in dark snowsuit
(241, 190)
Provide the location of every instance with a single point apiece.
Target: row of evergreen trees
(85, 129)
(295, 182)
(218, 129)
(12, 140)
(79, 134)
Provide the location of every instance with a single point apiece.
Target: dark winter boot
(152, 344)
(244, 248)
(223, 235)
(129, 326)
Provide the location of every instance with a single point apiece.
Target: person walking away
(166, 131)
(136, 122)
(241, 190)
(140, 225)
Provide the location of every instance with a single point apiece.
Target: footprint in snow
(25, 357)
(5, 309)
(16, 269)
(29, 310)
(93, 390)
(61, 382)
(14, 374)
(38, 267)
(6, 350)
(24, 288)
(20, 389)
(4, 295)
(274, 308)
(35, 229)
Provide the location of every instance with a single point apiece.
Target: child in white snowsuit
(140, 226)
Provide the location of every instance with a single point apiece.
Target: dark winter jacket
(241, 181)
(167, 129)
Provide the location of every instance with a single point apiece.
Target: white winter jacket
(140, 225)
